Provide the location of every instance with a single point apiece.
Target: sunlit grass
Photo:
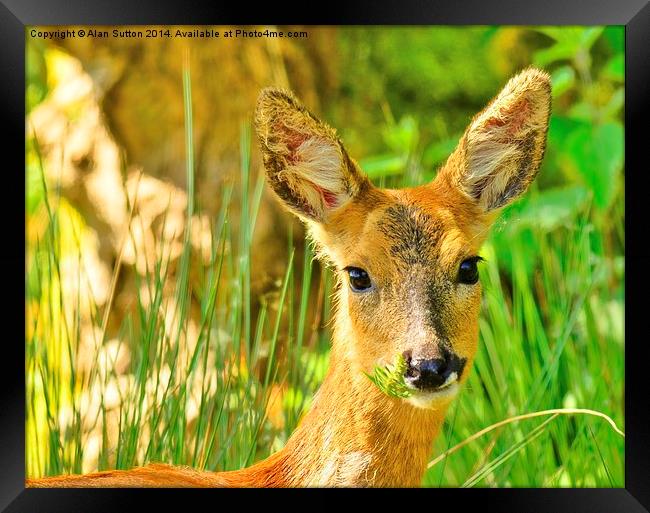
(542, 348)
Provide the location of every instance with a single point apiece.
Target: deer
(406, 264)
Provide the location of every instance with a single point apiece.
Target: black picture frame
(633, 14)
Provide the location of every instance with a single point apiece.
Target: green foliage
(390, 378)
(428, 73)
(543, 340)
(36, 73)
(568, 43)
(597, 153)
(172, 373)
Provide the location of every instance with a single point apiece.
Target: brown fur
(411, 242)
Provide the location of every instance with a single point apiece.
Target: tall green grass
(551, 337)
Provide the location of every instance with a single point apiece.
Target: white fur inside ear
(505, 143)
(317, 173)
(501, 152)
(484, 163)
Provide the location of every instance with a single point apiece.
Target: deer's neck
(354, 435)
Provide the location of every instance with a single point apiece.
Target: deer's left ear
(502, 149)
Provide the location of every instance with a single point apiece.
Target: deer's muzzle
(430, 374)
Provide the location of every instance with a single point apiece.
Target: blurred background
(174, 312)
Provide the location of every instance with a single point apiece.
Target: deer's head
(407, 259)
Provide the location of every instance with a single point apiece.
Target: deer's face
(407, 259)
(408, 279)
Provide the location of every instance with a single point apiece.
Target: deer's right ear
(306, 164)
(501, 151)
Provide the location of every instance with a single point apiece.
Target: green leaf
(584, 111)
(402, 137)
(555, 53)
(34, 192)
(583, 37)
(551, 32)
(550, 208)
(36, 74)
(589, 36)
(569, 42)
(438, 152)
(562, 79)
(390, 379)
(383, 165)
(615, 104)
(615, 68)
(615, 35)
(560, 128)
(597, 153)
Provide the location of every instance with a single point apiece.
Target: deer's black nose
(432, 373)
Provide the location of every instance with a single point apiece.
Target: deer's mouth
(432, 398)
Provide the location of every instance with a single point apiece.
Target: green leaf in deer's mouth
(390, 379)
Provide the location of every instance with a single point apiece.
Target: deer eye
(468, 271)
(359, 279)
